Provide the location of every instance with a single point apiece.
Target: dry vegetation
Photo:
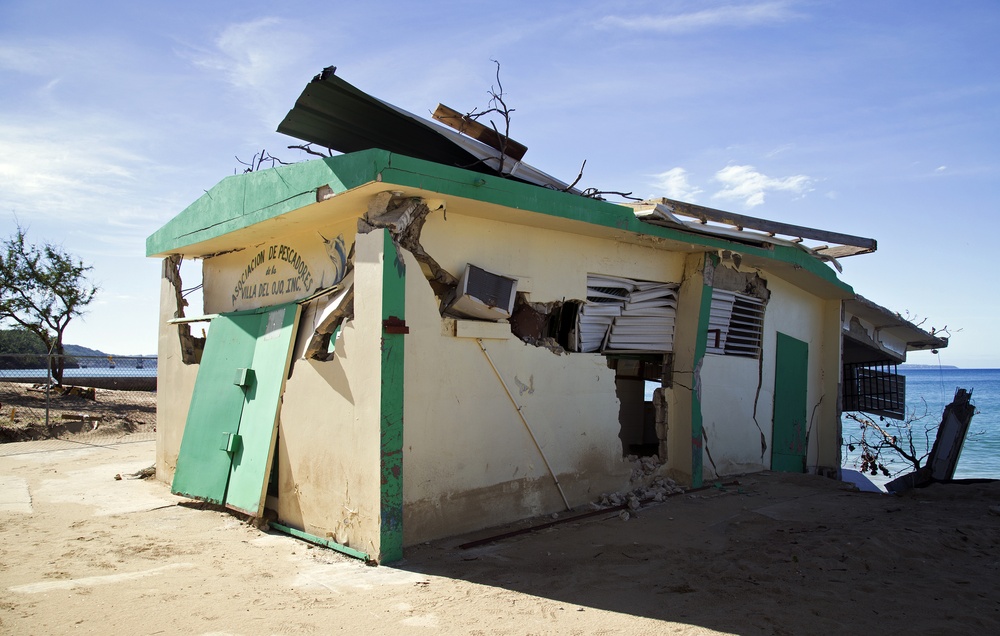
(73, 413)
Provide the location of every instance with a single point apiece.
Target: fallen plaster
(339, 309)
(405, 218)
(731, 279)
(646, 483)
(191, 346)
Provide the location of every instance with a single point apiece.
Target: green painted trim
(243, 200)
(391, 405)
(700, 347)
(326, 543)
(416, 173)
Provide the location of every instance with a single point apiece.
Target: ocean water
(928, 391)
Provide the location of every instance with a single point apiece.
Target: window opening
(623, 315)
(735, 324)
(636, 377)
(875, 388)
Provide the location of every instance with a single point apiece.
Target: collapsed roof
(334, 114)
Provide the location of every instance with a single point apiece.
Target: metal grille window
(878, 389)
(735, 324)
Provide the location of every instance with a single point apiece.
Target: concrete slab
(14, 495)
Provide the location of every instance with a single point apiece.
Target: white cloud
(674, 184)
(80, 175)
(744, 183)
(730, 15)
(261, 59)
(941, 168)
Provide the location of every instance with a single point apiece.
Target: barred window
(877, 388)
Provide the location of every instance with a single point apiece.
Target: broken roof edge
(761, 229)
(880, 317)
(240, 201)
(336, 114)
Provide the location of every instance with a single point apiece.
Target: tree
(20, 349)
(42, 288)
(883, 442)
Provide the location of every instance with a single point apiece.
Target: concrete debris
(624, 515)
(646, 484)
(549, 343)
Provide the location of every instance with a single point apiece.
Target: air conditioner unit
(484, 295)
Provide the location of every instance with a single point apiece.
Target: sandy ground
(82, 553)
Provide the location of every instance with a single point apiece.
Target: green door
(228, 443)
(788, 441)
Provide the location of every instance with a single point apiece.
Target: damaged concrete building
(400, 348)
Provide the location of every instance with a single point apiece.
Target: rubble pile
(645, 485)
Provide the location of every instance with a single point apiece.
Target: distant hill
(77, 350)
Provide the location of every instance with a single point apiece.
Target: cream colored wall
(280, 270)
(827, 429)
(729, 385)
(732, 440)
(174, 384)
(329, 431)
(735, 439)
(468, 460)
(686, 375)
(556, 262)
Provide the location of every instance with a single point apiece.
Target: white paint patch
(353, 576)
(91, 581)
(424, 620)
(14, 495)
(97, 487)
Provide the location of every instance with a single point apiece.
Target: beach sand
(84, 553)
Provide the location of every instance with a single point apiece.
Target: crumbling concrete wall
(738, 392)
(328, 449)
(469, 461)
(177, 369)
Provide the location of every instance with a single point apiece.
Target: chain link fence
(101, 400)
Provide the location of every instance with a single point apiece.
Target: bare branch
(307, 148)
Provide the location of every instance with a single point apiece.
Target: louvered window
(735, 324)
(625, 315)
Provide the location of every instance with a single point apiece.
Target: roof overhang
(873, 333)
(250, 208)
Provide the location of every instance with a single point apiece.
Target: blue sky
(878, 119)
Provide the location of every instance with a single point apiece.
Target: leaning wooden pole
(526, 425)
